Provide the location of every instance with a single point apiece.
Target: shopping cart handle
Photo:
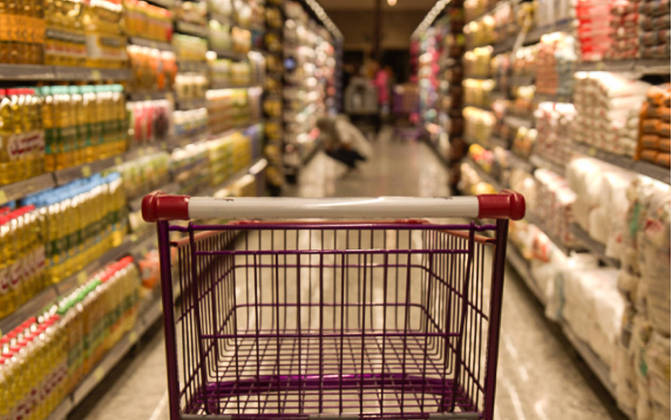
(159, 206)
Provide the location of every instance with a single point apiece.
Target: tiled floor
(540, 376)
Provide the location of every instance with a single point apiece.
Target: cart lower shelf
(334, 375)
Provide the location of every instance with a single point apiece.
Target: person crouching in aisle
(343, 141)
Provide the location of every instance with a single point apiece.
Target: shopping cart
(332, 319)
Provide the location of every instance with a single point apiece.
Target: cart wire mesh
(321, 319)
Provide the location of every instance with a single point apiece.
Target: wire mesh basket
(329, 319)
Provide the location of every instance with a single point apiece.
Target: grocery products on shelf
(578, 121)
(123, 97)
(228, 108)
(655, 132)
(189, 48)
(145, 174)
(554, 122)
(25, 46)
(190, 123)
(150, 121)
(22, 255)
(152, 69)
(479, 125)
(607, 107)
(105, 42)
(83, 124)
(555, 63)
(45, 357)
(79, 222)
(145, 20)
(309, 89)
(22, 142)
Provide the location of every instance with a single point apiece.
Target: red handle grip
(160, 206)
(506, 205)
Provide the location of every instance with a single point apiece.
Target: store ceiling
(330, 5)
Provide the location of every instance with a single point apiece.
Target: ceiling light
(392, 3)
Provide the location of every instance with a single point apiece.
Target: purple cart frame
(331, 319)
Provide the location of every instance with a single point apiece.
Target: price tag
(132, 337)
(118, 160)
(3, 197)
(96, 75)
(82, 277)
(133, 237)
(86, 171)
(592, 151)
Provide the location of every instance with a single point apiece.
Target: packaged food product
(663, 159)
(650, 141)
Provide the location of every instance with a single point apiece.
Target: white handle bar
(159, 206)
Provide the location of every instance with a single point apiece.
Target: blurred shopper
(343, 141)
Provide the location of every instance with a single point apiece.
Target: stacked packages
(594, 28)
(606, 105)
(553, 123)
(555, 64)
(44, 358)
(653, 141)
(624, 23)
(642, 378)
(601, 202)
(554, 205)
(654, 28)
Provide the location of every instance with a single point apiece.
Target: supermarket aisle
(539, 375)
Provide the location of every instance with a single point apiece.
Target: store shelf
(522, 80)
(149, 313)
(232, 86)
(596, 365)
(187, 104)
(20, 189)
(596, 248)
(257, 167)
(27, 72)
(541, 162)
(498, 141)
(192, 66)
(192, 29)
(29, 186)
(483, 14)
(148, 96)
(644, 168)
(224, 19)
(484, 175)
(520, 163)
(168, 4)
(478, 77)
(51, 293)
(231, 55)
(483, 108)
(518, 121)
(536, 34)
(70, 174)
(150, 43)
(521, 265)
(638, 66)
(565, 248)
(545, 97)
(533, 36)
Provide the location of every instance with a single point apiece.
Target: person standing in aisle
(382, 84)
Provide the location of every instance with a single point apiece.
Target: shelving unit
(29, 72)
(651, 70)
(596, 365)
(596, 248)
